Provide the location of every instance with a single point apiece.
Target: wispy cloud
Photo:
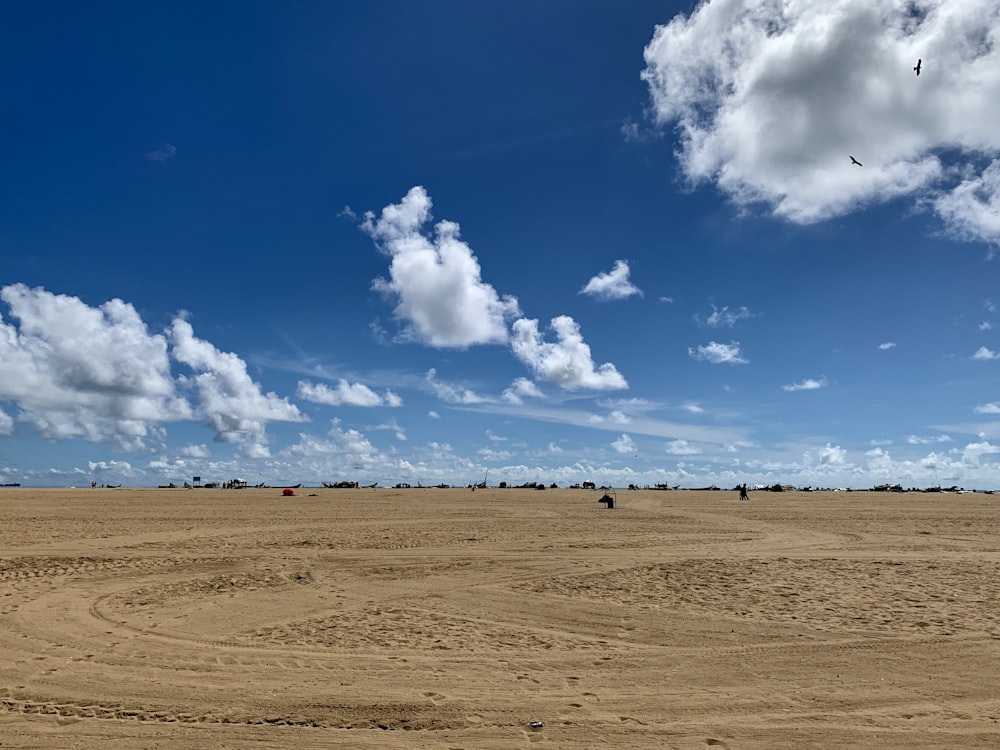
(452, 393)
(393, 427)
(808, 384)
(887, 345)
(928, 440)
(724, 317)
(163, 153)
(991, 408)
(717, 353)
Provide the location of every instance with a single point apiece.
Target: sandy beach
(448, 619)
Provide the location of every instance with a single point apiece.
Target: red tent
(287, 493)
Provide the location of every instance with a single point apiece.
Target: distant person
(743, 492)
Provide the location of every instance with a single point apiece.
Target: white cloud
(436, 278)
(489, 454)
(349, 444)
(692, 408)
(972, 208)
(717, 353)
(433, 414)
(346, 394)
(163, 153)
(986, 326)
(984, 354)
(808, 384)
(394, 427)
(520, 389)
(196, 451)
(451, 393)
(990, 306)
(566, 363)
(771, 98)
(667, 300)
(624, 444)
(973, 453)
(612, 286)
(887, 345)
(726, 317)
(832, 455)
(233, 404)
(681, 447)
(79, 371)
(6, 423)
(922, 440)
(990, 408)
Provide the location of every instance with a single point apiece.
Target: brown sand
(452, 619)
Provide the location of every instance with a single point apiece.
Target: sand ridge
(444, 618)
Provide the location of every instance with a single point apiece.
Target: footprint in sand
(712, 742)
(436, 697)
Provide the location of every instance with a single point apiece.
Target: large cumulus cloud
(234, 405)
(97, 373)
(436, 278)
(90, 372)
(770, 97)
(444, 302)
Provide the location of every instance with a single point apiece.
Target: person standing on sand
(743, 492)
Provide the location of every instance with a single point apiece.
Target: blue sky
(554, 241)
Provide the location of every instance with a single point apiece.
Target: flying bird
(855, 161)
(917, 67)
